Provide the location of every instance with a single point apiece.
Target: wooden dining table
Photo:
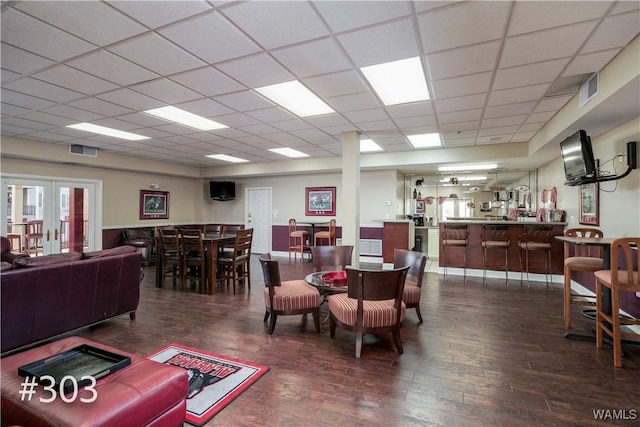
(212, 243)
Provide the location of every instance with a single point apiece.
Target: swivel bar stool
(454, 236)
(494, 238)
(536, 238)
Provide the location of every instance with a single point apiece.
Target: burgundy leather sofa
(47, 296)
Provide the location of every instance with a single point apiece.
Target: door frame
(51, 215)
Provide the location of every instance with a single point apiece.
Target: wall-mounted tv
(577, 156)
(222, 190)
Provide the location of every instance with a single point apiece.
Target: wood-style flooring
(486, 355)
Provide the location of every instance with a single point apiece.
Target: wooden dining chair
(298, 241)
(171, 254)
(417, 262)
(194, 259)
(287, 298)
(582, 258)
(331, 257)
(373, 304)
(622, 277)
(328, 235)
(236, 266)
(33, 236)
(212, 229)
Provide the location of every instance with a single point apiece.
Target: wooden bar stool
(329, 235)
(298, 241)
(14, 240)
(495, 237)
(536, 238)
(455, 236)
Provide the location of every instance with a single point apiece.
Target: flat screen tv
(577, 156)
(222, 190)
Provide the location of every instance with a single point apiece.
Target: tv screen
(222, 190)
(577, 156)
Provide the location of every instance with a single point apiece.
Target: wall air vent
(588, 89)
(83, 150)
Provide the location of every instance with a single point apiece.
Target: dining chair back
(331, 257)
(622, 277)
(579, 258)
(417, 261)
(34, 235)
(236, 265)
(328, 235)
(287, 298)
(193, 257)
(373, 304)
(171, 254)
(212, 229)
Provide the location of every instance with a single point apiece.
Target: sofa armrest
(12, 257)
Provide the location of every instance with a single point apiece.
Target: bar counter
(495, 259)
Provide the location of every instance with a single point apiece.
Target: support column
(351, 193)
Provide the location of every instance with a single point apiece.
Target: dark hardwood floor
(485, 356)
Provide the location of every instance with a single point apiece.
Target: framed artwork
(485, 206)
(320, 201)
(419, 206)
(154, 204)
(589, 204)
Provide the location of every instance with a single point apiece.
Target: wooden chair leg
(272, 323)
(398, 340)
(316, 319)
(599, 318)
(419, 313)
(266, 315)
(567, 297)
(615, 326)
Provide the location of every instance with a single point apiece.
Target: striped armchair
(287, 298)
(373, 304)
(413, 284)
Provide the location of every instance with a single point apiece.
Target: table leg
(212, 259)
(159, 264)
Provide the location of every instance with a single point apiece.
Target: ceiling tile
(542, 72)
(461, 103)
(614, 31)
(460, 86)
(243, 101)
(552, 104)
(243, 70)
(208, 81)
(382, 43)
(459, 142)
(543, 45)
(313, 58)
(151, 51)
(341, 83)
(288, 23)
(519, 94)
(51, 119)
(7, 75)
(112, 68)
(20, 61)
(504, 121)
(460, 126)
(99, 24)
(167, 91)
(342, 16)
(502, 130)
(153, 16)
(464, 60)
(94, 105)
(366, 115)
(31, 86)
(410, 110)
(22, 100)
(590, 62)
(528, 16)
(415, 121)
(357, 101)
(530, 127)
(482, 21)
(35, 36)
(237, 120)
(130, 99)
(509, 110)
(205, 107)
(541, 117)
(270, 115)
(67, 77)
(29, 124)
(460, 116)
(522, 136)
(200, 35)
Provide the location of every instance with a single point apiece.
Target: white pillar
(351, 193)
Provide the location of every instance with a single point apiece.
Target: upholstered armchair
(9, 258)
(143, 239)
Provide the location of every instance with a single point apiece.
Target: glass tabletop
(331, 281)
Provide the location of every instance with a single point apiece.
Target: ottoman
(145, 393)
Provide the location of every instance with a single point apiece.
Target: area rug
(214, 380)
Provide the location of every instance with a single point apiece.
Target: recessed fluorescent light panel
(368, 146)
(398, 82)
(227, 158)
(289, 152)
(88, 127)
(295, 98)
(487, 166)
(425, 140)
(185, 118)
(466, 178)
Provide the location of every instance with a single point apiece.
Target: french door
(67, 211)
(258, 217)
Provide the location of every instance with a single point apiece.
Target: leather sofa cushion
(4, 266)
(118, 250)
(41, 261)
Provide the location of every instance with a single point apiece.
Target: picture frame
(485, 206)
(420, 208)
(154, 204)
(589, 204)
(320, 201)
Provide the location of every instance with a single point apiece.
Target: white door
(258, 217)
(52, 202)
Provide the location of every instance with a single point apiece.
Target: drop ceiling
(496, 71)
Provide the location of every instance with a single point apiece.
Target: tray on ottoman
(81, 363)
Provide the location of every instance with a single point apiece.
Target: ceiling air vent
(588, 89)
(83, 150)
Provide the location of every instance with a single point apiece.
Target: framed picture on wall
(420, 206)
(154, 204)
(589, 204)
(320, 201)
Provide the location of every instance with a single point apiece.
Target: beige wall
(619, 200)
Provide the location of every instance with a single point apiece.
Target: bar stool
(584, 258)
(329, 235)
(536, 238)
(495, 237)
(14, 240)
(298, 241)
(455, 236)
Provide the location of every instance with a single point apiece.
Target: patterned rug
(214, 380)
